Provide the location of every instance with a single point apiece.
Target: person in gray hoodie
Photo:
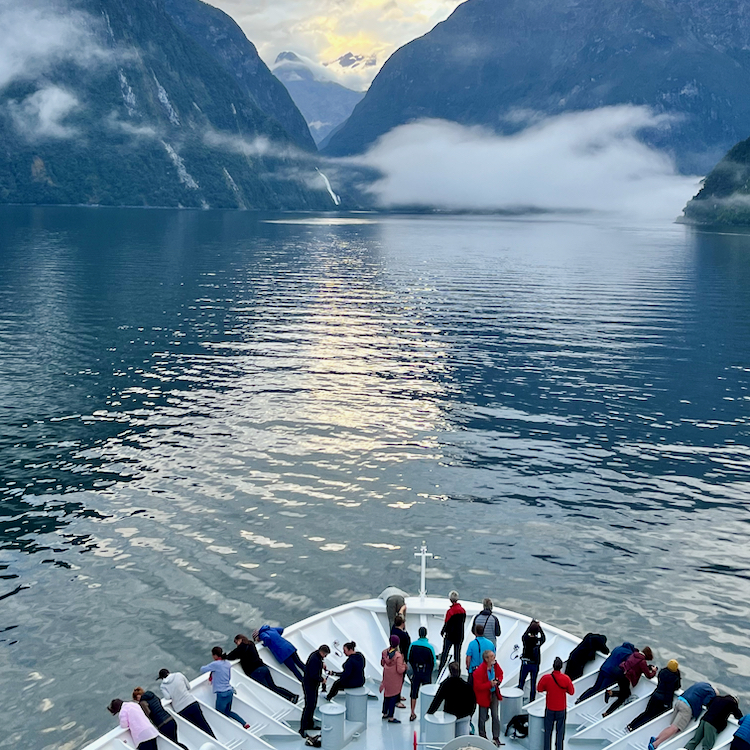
(176, 688)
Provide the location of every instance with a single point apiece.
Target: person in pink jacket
(394, 668)
(143, 732)
(632, 668)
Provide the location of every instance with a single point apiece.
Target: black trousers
(311, 702)
(194, 715)
(263, 675)
(446, 650)
(169, 730)
(654, 707)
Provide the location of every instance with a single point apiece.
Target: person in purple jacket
(284, 651)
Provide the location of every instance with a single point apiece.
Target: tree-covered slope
(499, 62)
(725, 195)
(138, 113)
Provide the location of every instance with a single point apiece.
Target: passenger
(487, 680)
(489, 623)
(459, 698)
(687, 706)
(311, 682)
(585, 652)
(715, 720)
(284, 651)
(661, 700)
(353, 674)
(394, 668)
(404, 639)
(159, 716)
(220, 671)
(422, 659)
(558, 687)
(143, 732)
(253, 666)
(632, 668)
(609, 671)
(453, 630)
(395, 604)
(176, 688)
(741, 739)
(475, 651)
(531, 656)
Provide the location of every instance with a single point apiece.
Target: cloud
(323, 30)
(36, 35)
(581, 161)
(42, 114)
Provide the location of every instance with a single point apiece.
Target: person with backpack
(531, 656)
(668, 682)
(489, 623)
(558, 687)
(422, 659)
(475, 652)
(453, 630)
(632, 668)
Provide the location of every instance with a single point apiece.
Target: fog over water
(209, 420)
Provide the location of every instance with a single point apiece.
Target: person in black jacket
(458, 696)
(668, 683)
(404, 639)
(531, 655)
(311, 680)
(353, 674)
(253, 666)
(715, 720)
(585, 652)
(159, 715)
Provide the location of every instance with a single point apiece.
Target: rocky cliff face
(120, 106)
(495, 62)
(324, 104)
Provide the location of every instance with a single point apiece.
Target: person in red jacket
(452, 630)
(487, 680)
(558, 687)
(632, 668)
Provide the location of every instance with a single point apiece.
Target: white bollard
(356, 704)
(510, 705)
(440, 728)
(535, 740)
(332, 729)
(426, 694)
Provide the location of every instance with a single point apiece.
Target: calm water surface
(211, 420)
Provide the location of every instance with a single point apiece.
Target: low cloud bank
(581, 161)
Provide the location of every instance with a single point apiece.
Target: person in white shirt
(176, 688)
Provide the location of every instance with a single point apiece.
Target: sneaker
(246, 726)
(651, 743)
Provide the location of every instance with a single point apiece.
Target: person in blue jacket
(688, 706)
(609, 671)
(741, 739)
(283, 651)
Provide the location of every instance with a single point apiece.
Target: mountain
(116, 104)
(725, 195)
(223, 39)
(324, 103)
(498, 63)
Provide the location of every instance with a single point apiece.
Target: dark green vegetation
(156, 120)
(725, 195)
(495, 62)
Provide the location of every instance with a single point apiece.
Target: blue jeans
(529, 669)
(554, 719)
(224, 706)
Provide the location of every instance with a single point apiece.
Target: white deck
(275, 722)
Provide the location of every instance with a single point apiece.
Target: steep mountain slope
(324, 104)
(493, 62)
(223, 39)
(725, 195)
(137, 113)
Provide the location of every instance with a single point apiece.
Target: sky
(323, 30)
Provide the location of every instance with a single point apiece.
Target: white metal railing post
(424, 554)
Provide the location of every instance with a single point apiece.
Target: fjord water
(209, 420)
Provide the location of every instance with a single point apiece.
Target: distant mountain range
(502, 63)
(323, 103)
(148, 102)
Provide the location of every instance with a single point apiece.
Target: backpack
(519, 724)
